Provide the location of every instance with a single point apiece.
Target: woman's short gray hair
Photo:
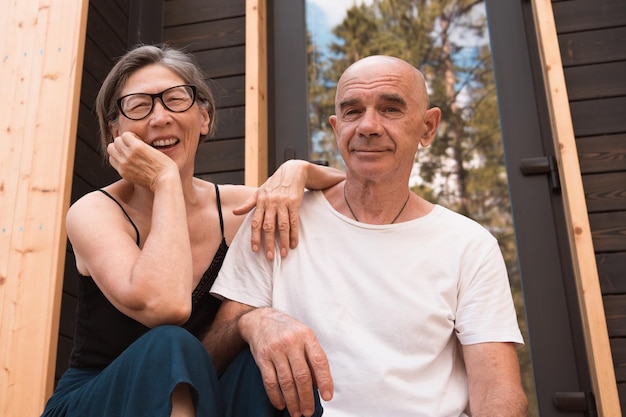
(182, 63)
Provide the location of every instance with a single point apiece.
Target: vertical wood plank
(579, 232)
(41, 54)
(256, 93)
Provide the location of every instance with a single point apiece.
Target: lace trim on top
(208, 278)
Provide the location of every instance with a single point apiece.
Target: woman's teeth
(164, 142)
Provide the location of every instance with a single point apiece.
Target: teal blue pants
(140, 382)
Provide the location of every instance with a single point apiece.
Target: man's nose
(370, 124)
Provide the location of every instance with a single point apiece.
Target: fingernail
(255, 248)
(283, 252)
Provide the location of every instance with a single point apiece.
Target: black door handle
(575, 401)
(542, 165)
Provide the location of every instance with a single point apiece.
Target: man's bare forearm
(223, 341)
(502, 400)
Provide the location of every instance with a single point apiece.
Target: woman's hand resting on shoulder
(278, 201)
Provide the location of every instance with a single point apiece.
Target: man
(405, 303)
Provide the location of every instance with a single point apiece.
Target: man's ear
(431, 121)
(333, 121)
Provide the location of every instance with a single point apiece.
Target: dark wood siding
(215, 32)
(592, 35)
(107, 37)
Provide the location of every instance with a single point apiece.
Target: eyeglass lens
(175, 99)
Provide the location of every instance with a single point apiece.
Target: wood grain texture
(604, 153)
(41, 46)
(584, 15)
(183, 12)
(609, 231)
(605, 192)
(596, 81)
(581, 241)
(207, 35)
(593, 47)
(256, 93)
(612, 276)
(595, 117)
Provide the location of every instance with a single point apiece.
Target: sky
(323, 15)
(333, 10)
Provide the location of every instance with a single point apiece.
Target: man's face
(381, 118)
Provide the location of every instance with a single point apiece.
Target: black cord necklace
(357, 219)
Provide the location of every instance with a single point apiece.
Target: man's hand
(290, 358)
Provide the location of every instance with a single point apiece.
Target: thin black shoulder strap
(124, 211)
(219, 209)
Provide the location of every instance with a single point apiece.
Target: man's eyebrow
(394, 98)
(348, 102)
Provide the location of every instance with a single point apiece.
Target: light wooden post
(256, 93)
(41, 55)
(576, 215)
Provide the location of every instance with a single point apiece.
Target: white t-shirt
(389, 303)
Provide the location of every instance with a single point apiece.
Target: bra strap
(219, 208)
(124, 211)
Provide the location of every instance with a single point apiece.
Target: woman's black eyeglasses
(176, 99)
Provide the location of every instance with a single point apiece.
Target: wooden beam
(579, 232)
(41, 53)
(256, 93)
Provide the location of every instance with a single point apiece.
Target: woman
(150, 245)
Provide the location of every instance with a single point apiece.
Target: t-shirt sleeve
(485, 310)
(245, 276)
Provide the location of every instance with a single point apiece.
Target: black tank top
(103, 332)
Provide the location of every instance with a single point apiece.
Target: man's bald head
(381, 67)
